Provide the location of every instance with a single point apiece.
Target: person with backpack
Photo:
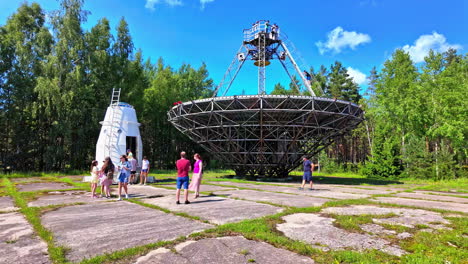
(107, 177)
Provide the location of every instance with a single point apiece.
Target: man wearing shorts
(183, 168)
(308, 169)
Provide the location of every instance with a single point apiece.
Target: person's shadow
(206, 201)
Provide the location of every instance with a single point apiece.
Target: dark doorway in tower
(132, 145)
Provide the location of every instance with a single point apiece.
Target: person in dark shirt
(308, 169)
(183, 168)
(307, 75)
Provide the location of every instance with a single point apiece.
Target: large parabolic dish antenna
(264, 135)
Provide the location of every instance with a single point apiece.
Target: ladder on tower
(113, 133)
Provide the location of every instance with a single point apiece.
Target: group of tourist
(127, 168)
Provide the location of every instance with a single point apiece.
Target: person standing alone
(144, 170)
(308, 169)
(183, 168)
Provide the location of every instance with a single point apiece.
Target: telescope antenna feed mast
(262, 43)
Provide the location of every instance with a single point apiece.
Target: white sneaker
(126, 196)
(120, 199)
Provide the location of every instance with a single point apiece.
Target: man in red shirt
(183, 168)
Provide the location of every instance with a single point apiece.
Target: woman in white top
(144, 170)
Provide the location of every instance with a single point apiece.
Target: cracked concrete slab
(18, 244)
(40, 186)
(426, 196)
(226, 250)
(377, 230)
(6, 204)
(459, 207)
(216, 209)
(450, 192)
(206, 187)
(318, 191)
(359, 190)
(94, 229)
(145, 191)
(315, 229)
(277, 198)
(65, 197)
(404, 216)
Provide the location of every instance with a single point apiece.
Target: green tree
(62, 93)
(24, 44)
(341, 85)
(295, 86)
(279, 90)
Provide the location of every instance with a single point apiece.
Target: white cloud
(151, 3)
(339, 39)
(358, 77)
(424, 43)
(204, 2)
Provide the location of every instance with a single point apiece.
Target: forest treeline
(56, 80)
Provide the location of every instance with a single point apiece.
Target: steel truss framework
(265, 135)
(262, 45)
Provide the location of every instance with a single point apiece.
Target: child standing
(94, 178)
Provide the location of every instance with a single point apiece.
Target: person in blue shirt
(308, 169)
(124, 168)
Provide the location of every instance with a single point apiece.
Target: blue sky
(360, 34)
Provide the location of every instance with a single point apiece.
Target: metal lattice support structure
(265, 134)
(263, 43)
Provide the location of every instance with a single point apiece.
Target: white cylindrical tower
(119, 132)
